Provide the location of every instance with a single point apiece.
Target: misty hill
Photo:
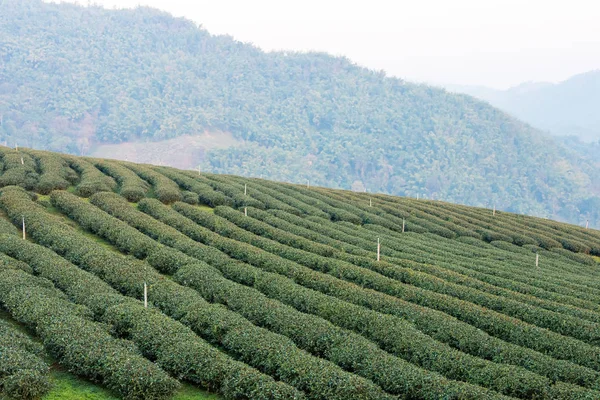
(73, 78)
(569, 108)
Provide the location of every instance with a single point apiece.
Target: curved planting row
(255, 191)
(553, 267)
(560, 323)
(163, 188)
(55, 173)
(345, 350)
(562, 277)
(23, 371)
(328, 233)
(78, 343)
(558, 368)
(206, 194)
(289, 201)
(131, 186)
(335, 214)
(281, 230)
(513, 330)
(560, 231)
(421, 252)
(390, 333)
(571, 238)
(236, 194)
(399, 249)
(194, 359)
(91, 179)
(554, 264)
(374, 212)
(280, 358)
(305, 329)
(174, 346)
(19, 168)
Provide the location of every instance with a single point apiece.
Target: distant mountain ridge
(568, 108)
(73, 77)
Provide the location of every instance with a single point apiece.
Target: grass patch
(205, 208)
(596, 258)
(67, 386)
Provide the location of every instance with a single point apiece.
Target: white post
(16, 146)
(537, 260)
(417, 196)
(587, 224)
(308, 184)
(22, 162)
(246, 211)
(370, 202)
(403, 223)
(378, 249)
(494, 212)
(245, 189)
(24, 235)
(145, 295)
(199, 172)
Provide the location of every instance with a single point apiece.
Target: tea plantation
(122, 280)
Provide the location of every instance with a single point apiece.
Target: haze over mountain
(568, 108)
(80, 79)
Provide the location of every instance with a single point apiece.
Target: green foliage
(80, 344)
(132, 187)
(19, 169)
(182, 353)
(206, 194)
(55, 173)
(289, 301)
(164, 188)
(91, 179)
(302, 116)
(258, 347)
(23, 372)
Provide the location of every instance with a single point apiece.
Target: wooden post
(246, 211)
(378, 249)
(145, 295)
(537, 260)
(24, 235)
(403, 224)
(245, 190)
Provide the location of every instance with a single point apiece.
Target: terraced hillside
(265, 290)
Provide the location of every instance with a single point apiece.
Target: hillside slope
(568, 108)
(265, 290)
(72, 78)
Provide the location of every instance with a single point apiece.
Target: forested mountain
(73, 77)
(568, 108)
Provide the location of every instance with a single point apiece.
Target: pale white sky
(497, 43)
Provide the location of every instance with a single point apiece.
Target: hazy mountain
(74, 79)
(564, 109)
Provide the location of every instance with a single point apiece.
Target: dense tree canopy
(72, 77)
